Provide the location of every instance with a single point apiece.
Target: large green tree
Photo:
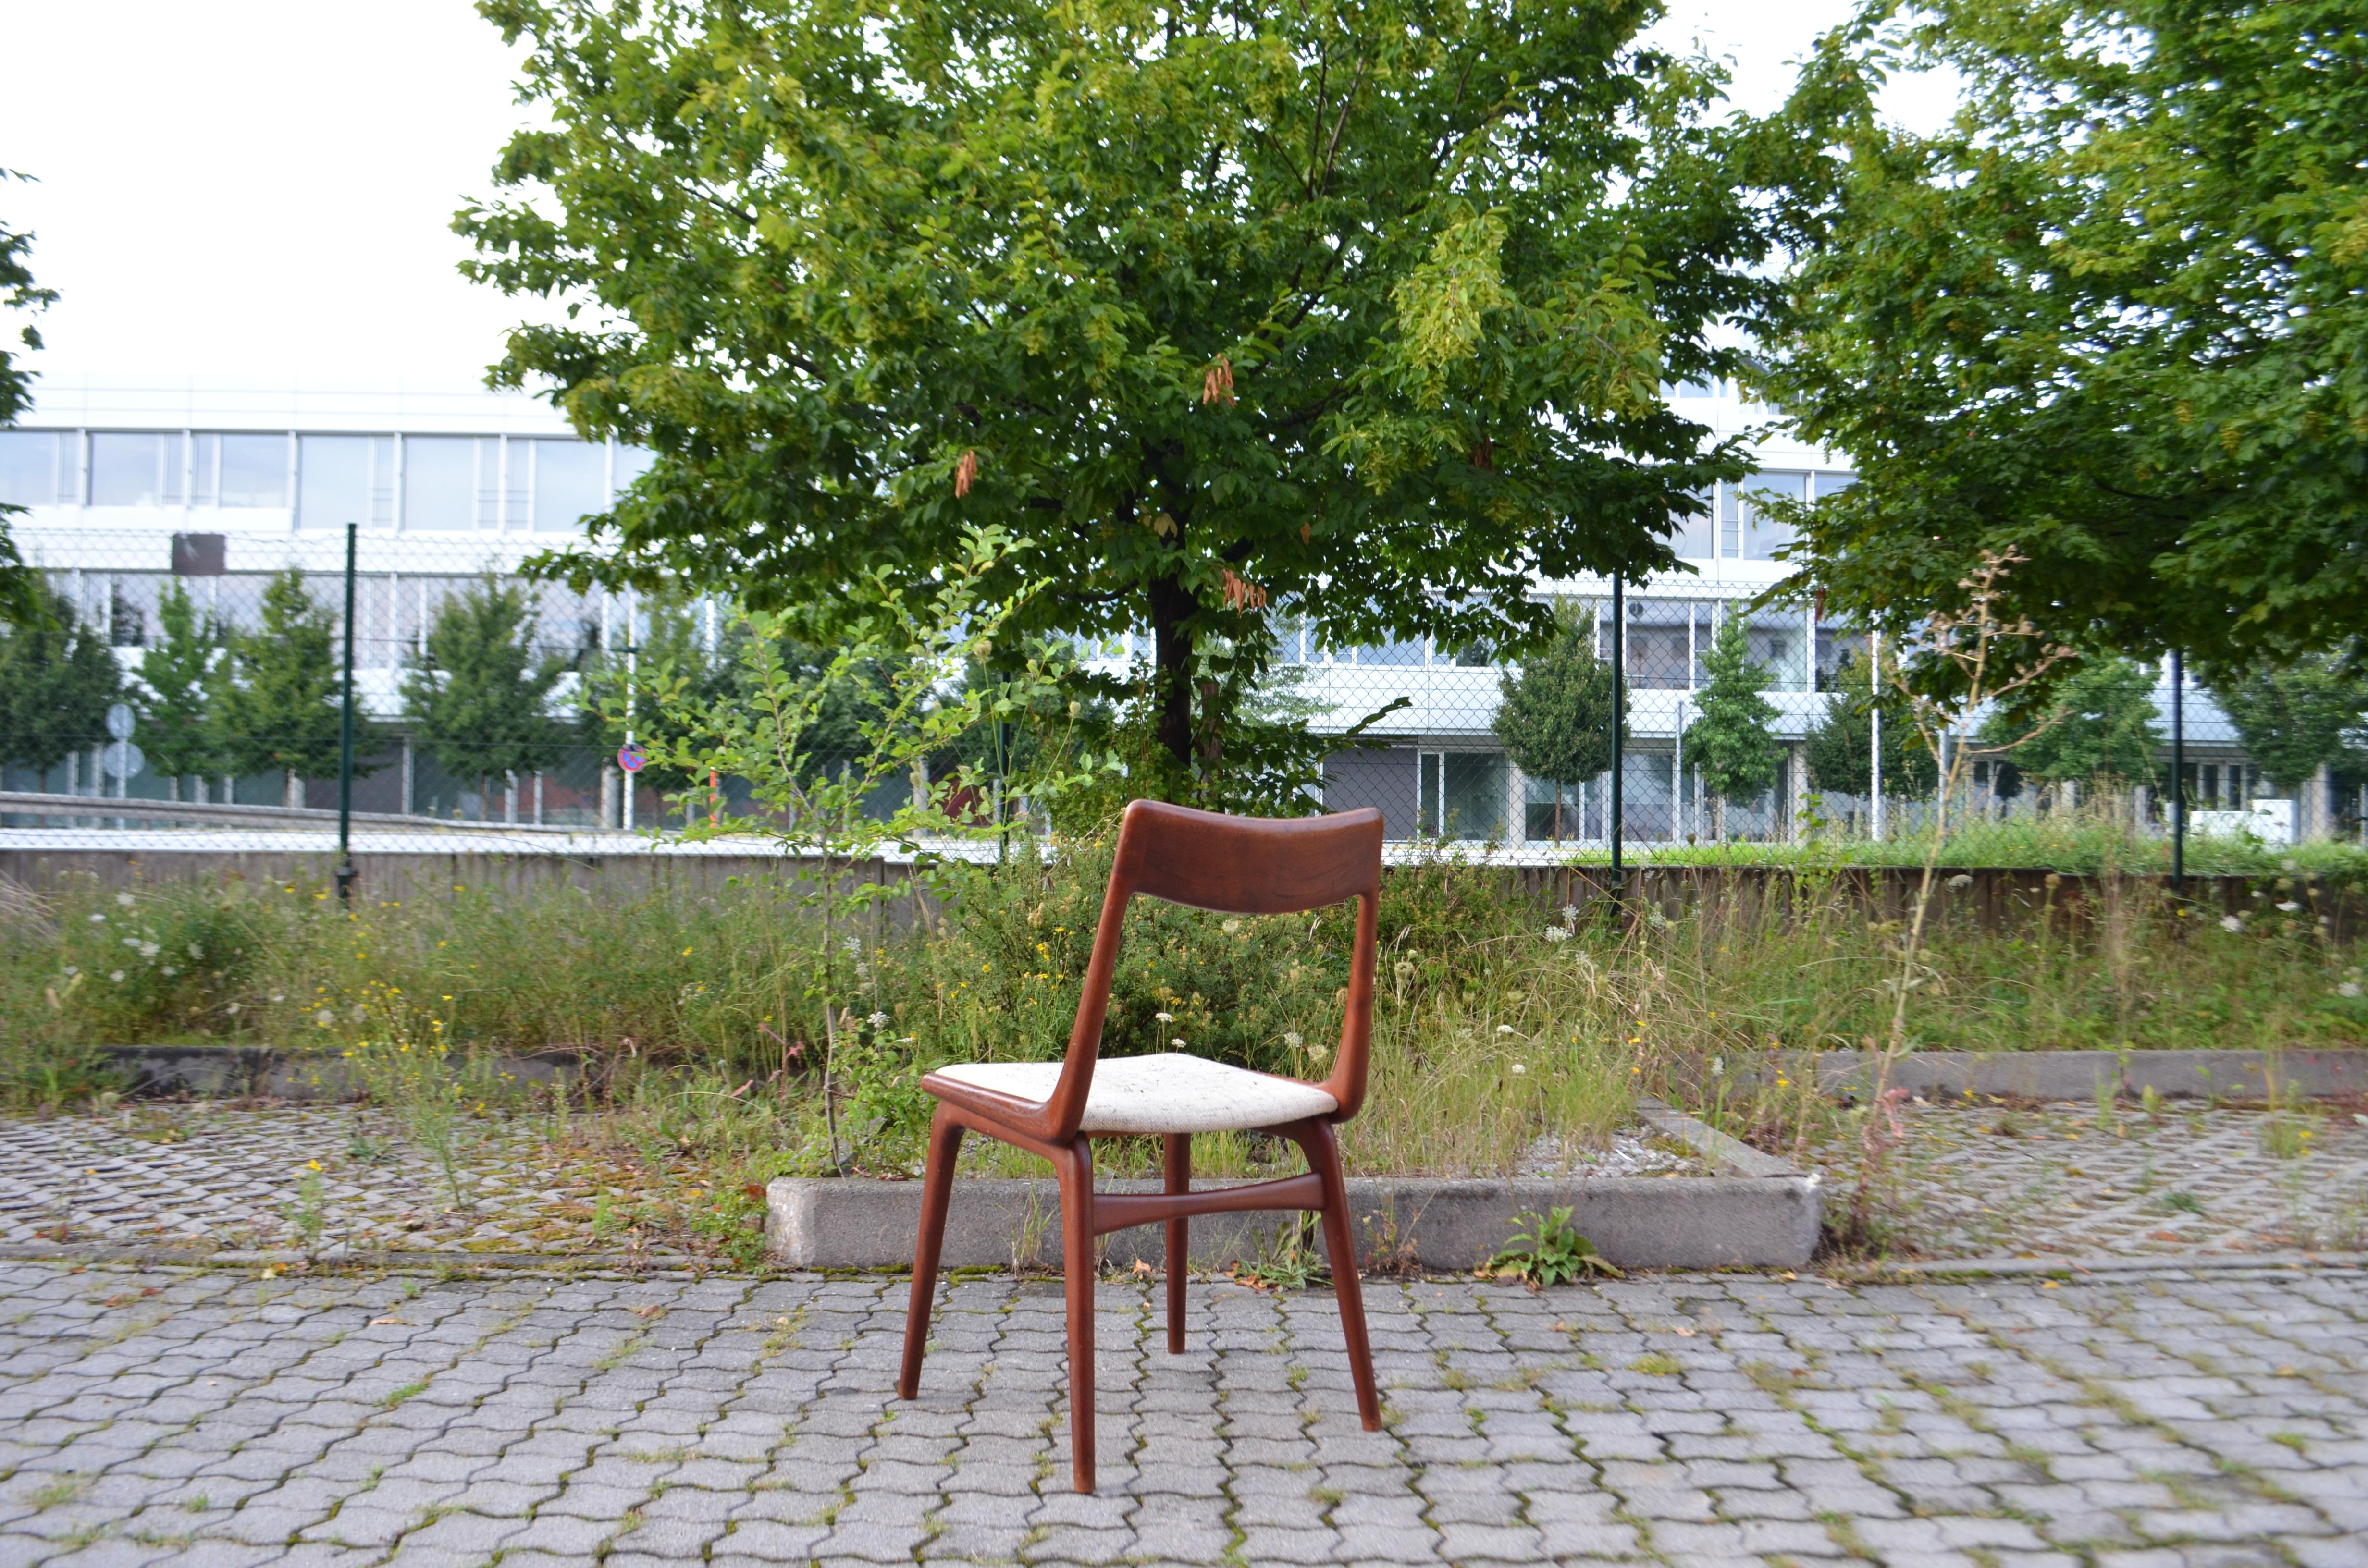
(479, 701)
(21, 596)
(2112, 318)
(1357, 307)
(57, 678)
(277, 709)
(1555, 714)
(176, 729)
(2099, 721)
(1729, 741)
(1839, 747)
(2296, 719)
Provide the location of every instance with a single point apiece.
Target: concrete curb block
(2076, 1075)
(1765, 1216)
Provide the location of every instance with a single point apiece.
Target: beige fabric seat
(1168, 1093)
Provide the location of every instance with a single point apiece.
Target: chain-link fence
(198, 692)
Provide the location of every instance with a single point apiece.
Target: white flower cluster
(1557, 934)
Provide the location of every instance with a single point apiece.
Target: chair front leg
(1315, 1138)
(1077, 1173)
(937, 1194)
(1178, 1149)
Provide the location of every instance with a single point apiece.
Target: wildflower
(1231, 927)
(1504, 1028)
(1318, 1052)
(1292, 1039)
(2349, 988)
(1717, 1067)
(149, 949)
(686, 952)
(2288, 907)
(1962, 881)
(2232, 922)
(1165, 1017)
(1519, 1071)
(71, 972)
(98, 919)
(1178, 1043)
(1556, 934)
(195, 951)
(1570, 914)
(280, 996)
(1404, 969)
(117, 976)
(877, 1020)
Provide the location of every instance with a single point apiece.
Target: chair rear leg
(1179, 1151)
(1077, 1173)
(937, 1194)
(1341, 1251)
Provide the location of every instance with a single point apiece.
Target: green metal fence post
(346, 741)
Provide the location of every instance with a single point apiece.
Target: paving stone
(2111, 1422)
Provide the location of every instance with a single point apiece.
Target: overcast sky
(259, 192)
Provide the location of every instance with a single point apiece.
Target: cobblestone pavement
(2217, 1419)
(218, 1176)
(1998, 1179)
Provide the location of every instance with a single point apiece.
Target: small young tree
(1840, 746)
(1728, 740)
(175, 725)
(57, 678)
(1555, 713)
(2096, 722)
(2298, 719)
(902, 654)
(277, 712)
(480, 702)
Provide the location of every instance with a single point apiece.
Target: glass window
(1472, 795)
(571, 482)
(127, 468)
(632, 463)
(1699, 389)
(205, 462)
(1393, 652)
(332, 480)
(1831, 481)
(28, 469)
(1694, 538)
(1762, 537)
(439, 481)
(382, 486)
(255, 471)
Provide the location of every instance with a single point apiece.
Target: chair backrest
(1238, 866)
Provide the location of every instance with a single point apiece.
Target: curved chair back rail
(1204, 860)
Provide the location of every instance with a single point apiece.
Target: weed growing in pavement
(307, 1209)
(1547, 1251)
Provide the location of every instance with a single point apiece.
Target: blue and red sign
(630, 757)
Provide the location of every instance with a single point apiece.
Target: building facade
(130, 489)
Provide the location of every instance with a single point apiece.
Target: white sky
(259, 192)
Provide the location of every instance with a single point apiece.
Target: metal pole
(1615, 829)
(633, 678)
(2178, 770)
(1874, 736)
(345, 740)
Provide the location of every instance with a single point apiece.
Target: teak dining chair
(1238, 866)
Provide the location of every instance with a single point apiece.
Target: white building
(129, 488)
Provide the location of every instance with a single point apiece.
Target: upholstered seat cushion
(1168, 1093)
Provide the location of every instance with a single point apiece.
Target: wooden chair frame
(1202, 859)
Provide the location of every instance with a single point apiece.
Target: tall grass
(1496, 1022)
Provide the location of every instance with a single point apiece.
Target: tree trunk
(1171, 679)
